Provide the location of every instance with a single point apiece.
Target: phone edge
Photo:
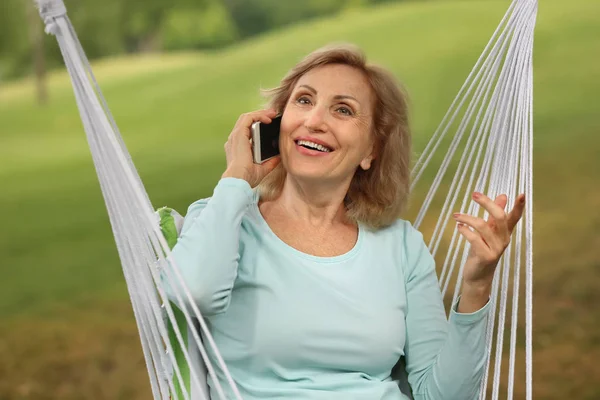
(255, 130)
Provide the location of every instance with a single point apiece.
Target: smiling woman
(358, 109)
(312, 285)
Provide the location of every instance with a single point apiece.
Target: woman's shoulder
(396, 237)
(227, 190)
(402, 230)
(231, 197)
(404, 241)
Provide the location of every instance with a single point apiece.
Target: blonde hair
(377, 196)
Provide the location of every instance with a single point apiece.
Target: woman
(312, 286)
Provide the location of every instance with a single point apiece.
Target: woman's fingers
(504, 222)
(240, 135)
(489, 237)
(497, 230)
(516, 213)
(472, 237)
(238, 148)
(245, 121)
(501, 200)
(269, 165)
(495, 208)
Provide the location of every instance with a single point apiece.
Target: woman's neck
(319, 204)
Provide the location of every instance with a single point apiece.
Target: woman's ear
(365, 164)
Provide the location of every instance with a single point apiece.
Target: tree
(255, 16)
(209, 27)
(13, 38)
(36, 33)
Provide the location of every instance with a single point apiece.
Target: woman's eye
(345, 110)
(303, 100)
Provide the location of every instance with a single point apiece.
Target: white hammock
(494, 106)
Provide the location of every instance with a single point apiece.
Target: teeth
(313, 145)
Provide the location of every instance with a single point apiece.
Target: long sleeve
(207, 251)
(444, 359)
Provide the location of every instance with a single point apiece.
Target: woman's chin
(312, 169)
(318, 174)
(309, 174)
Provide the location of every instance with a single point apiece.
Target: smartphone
(265, 140)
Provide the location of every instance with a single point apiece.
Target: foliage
(211, 27)
(112, 27)
(14, 39)
(256, 16)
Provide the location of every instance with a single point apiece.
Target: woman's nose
(316, 120)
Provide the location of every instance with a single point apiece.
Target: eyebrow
(338, 97)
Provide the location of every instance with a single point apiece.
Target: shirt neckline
(320, 259)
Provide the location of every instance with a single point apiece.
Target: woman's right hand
(238, 149)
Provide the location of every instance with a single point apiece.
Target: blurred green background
(177, 75)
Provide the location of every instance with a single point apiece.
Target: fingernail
(522, 199)
(476, 195)
(456, 215)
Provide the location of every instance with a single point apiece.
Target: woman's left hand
(489, 238)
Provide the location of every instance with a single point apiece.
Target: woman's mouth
(311, 148)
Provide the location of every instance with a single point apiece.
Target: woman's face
(326, 126)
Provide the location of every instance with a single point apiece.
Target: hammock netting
(487, 135)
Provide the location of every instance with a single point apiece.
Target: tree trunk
(36, 35)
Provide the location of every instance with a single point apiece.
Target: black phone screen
(269, 138)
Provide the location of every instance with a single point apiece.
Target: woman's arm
(207, 251)
(444, 359)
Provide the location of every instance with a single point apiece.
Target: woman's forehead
(337, 79)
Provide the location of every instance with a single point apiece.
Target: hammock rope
(494, 105)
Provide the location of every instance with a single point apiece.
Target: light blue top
(295, 326)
